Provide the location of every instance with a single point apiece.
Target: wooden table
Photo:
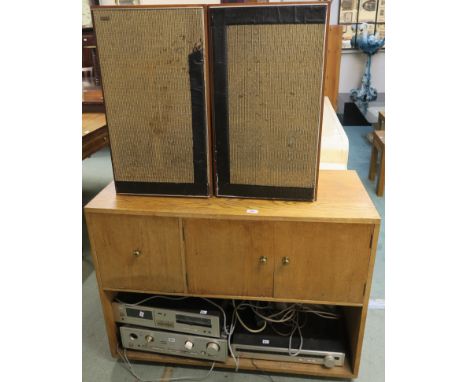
(94, 133)
(236, 249)
(92, 100)
(381, 121)
(378, 145)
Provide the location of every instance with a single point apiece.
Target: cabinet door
(137, 252)
(225, 257)
(326, 261)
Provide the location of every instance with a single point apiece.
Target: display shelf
(341, 198)
(249, 364)
(233, 297)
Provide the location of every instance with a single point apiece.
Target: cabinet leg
(381, 181)
(373, 163)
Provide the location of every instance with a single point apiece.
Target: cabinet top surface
(341, 198)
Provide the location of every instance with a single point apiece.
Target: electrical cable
(231, 331)
(129, 367)
(289, 308)
(233, 355)
(250, 329)
(305, 321)
(298, 328)
(288, 315)
(272, 326)
(321, 310)
(222, 311)
(323, 314)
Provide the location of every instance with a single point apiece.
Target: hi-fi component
(322, 342)
(190, 315)
(185, 345)
(265, 351)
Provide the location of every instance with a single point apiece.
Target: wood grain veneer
(332, 70)
(342, 198)
(212, 248)
(159, 263)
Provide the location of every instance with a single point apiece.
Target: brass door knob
(263, 259)
(136, 253)
(285, 260)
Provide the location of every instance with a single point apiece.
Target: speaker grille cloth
(274, 93)
(145, 68)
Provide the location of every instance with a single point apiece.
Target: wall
(86, 14)
(352, 67)
(352, 63)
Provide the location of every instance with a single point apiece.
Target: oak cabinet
(308, 252)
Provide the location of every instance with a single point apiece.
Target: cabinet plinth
(320, 252)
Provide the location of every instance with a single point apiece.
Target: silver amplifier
(194, 316)
(185, 345)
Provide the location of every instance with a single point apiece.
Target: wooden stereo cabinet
(321, 252)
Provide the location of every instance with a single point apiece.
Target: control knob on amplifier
(212, 348)
(329, 361)
(188, 345)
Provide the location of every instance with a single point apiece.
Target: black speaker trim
(269, 14)
(200, 127)
(265, 192)
(162, 189)
(220, 18)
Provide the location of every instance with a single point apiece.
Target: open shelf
(353, 317)
(249, 364)
(231, 297)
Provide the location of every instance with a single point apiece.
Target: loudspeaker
(268, 71)
(153, 70)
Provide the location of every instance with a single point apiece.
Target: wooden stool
(378, 144)
(381, 121)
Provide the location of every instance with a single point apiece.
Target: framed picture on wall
(354, 12)
(348, 11)
(348, 34)
(381, 12)
(367, 11)
(127, 2)
(86, 20)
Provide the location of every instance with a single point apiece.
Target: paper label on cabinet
(265, 342)
(252, 211)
